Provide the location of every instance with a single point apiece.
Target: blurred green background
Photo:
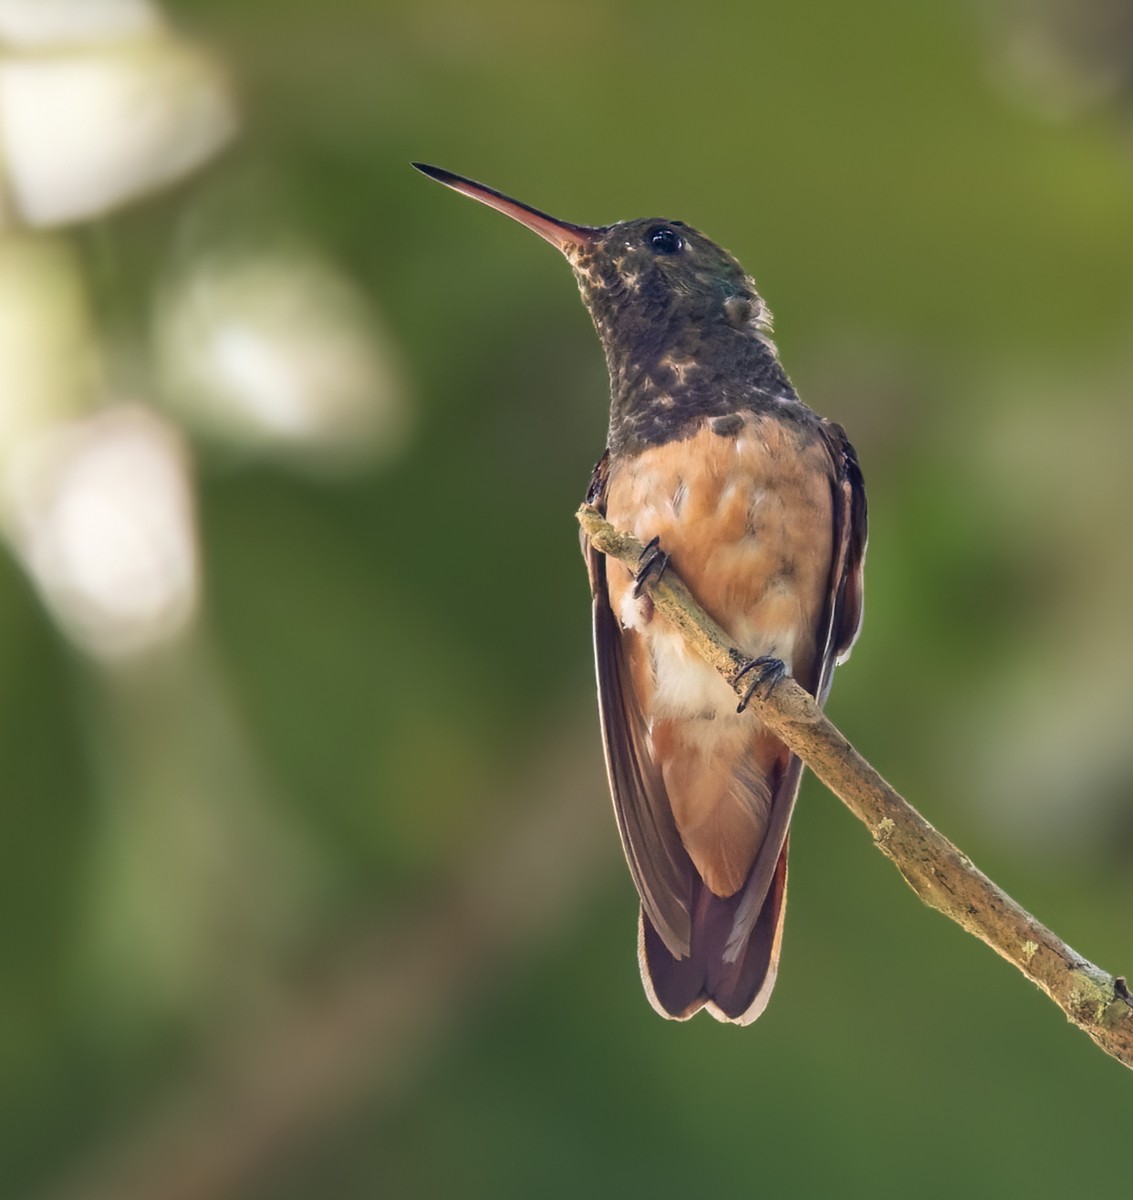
(310, 885)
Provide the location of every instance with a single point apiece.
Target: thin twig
(944, 878)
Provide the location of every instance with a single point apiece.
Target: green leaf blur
(263, 931)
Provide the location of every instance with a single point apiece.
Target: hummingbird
(714, 463)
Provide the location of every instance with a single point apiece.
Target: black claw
(653, 559)
(768, 670)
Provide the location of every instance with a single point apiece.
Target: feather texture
(765, 523)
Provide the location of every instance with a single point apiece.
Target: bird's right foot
(766, 670)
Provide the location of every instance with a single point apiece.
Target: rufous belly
(747, 520)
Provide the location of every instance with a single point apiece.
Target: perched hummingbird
(713, 462)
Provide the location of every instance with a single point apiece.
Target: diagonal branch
(944, 878)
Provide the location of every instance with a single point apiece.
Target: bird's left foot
(766, 670)
(653, 560)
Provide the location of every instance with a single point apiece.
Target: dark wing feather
(847, 615)
(661, 869)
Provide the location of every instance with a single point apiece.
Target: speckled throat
(676, 354)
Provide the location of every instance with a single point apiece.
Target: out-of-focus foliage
(293, 628)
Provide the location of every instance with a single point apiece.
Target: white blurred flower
(48, 352)
(53, 23)
(101, 514)
(278, 351)
(84, 131)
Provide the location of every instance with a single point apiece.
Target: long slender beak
(559, 233)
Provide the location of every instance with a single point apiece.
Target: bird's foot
(653, 561)
(767, 670)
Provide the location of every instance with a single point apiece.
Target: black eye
(664, 240)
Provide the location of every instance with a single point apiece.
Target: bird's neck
(664, 384)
